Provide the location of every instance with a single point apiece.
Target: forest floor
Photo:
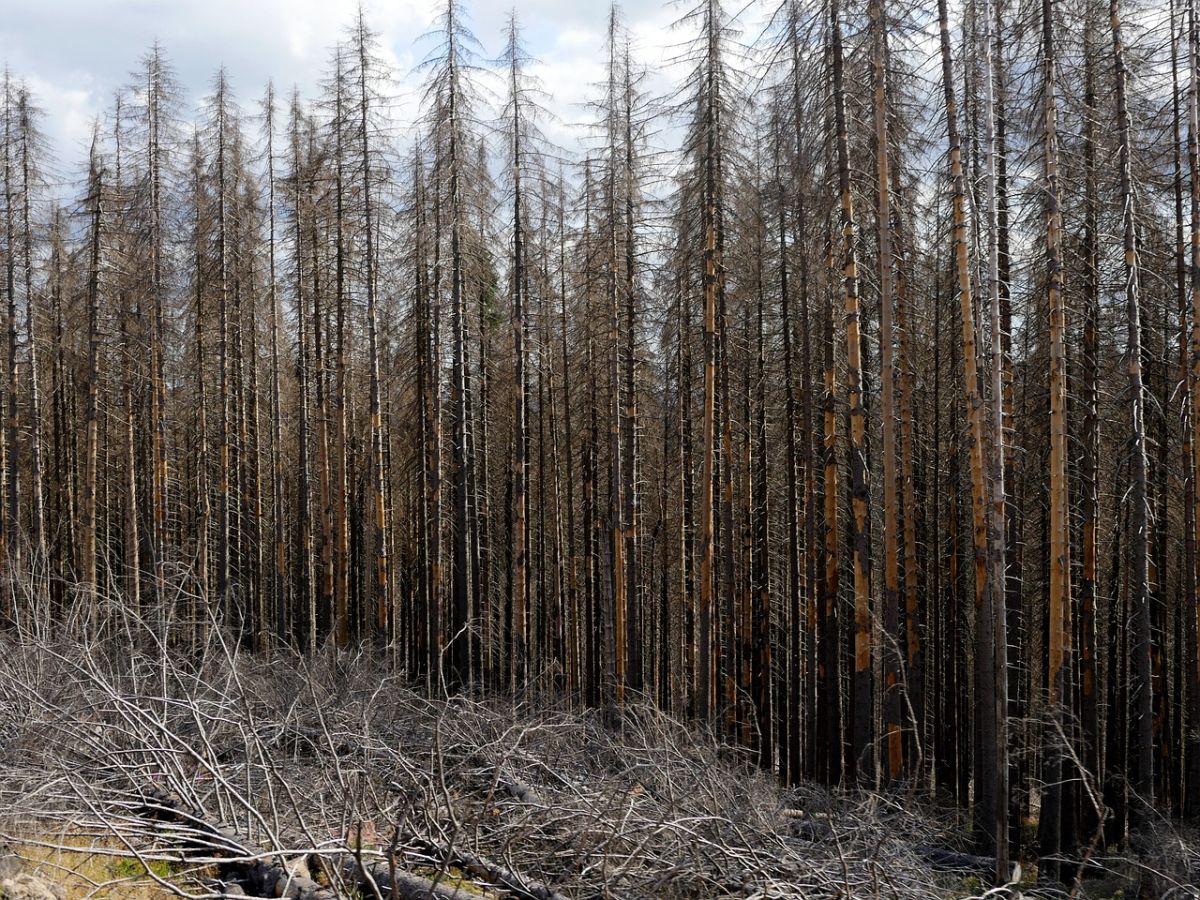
(130, 770)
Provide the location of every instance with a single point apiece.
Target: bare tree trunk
(158, 391)
(1193, 601)
(630, 424)
(829, 707)
(40, 561)
(225, 502)
(284, 625)
(1142, 752)
(92, 410)
(1059, 610)
(892, 700)
(520, 532)
(861, 768)
(339, 455)
(995, 706)
(305, 609)
(461, 619)
(382, 596)
(12, 456)
(1089, 462)
(910, 640)
(985, 797)
(706, 686)
(789, 720)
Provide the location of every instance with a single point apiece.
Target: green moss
(453, 878)
(131, 867)
(970, 886)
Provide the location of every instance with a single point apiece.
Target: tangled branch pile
(280, 775)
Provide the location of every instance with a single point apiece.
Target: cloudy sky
(75, 54)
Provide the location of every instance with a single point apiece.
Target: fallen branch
(486, 870)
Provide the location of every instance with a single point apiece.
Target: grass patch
(96, 868)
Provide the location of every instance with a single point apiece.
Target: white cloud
(76, 53)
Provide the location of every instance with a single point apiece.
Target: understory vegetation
(135, 765)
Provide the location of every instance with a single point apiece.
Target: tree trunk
(861, 768)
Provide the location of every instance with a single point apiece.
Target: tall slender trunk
(892, 699)
(789, 722)
(1089, 392)
(339, 456)
(36, 474)
(461, 619)
(92, 408)
(158, 390)
(760, 679)
(911, 638)
(12, 418)
(284, 625)
(829, 704)
(225, 502)
(520, 531)
(630, 425)
(1142, 780)
(1058, 524)
(1192, 604)
(64, 453)
(381, 590)
(574, 660)
(985, 787)
(306, 597)
(706, 683)
(995, 706)
(861, 768)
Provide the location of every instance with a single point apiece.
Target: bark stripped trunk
(1058, 524)
(985, 796)
(860, 768)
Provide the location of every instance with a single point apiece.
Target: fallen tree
(315, 777)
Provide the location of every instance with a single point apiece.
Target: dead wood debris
(320, 778)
